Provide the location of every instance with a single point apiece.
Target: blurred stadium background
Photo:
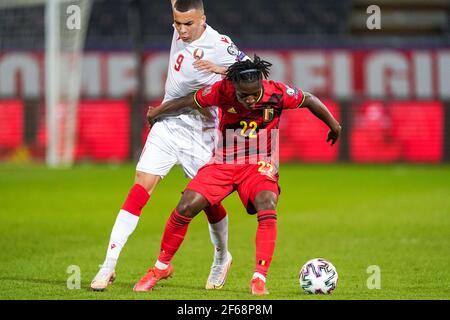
(390, 88)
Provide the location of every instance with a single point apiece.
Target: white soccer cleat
(218, 274)
(104, 278)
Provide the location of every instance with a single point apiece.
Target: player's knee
(186, 209)
(191, 204)
(265, 200)
(147, 181)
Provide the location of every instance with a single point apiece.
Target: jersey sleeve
(228, 53)
(208, 96)
(293, 98)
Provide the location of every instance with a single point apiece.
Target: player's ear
(204, 20)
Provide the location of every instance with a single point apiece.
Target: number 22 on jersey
(179, 62)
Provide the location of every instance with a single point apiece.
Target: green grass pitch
(395, 217)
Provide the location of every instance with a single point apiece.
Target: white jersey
(183, 79)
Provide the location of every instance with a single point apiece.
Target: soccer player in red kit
(245, 159)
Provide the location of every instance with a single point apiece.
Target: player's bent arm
(170, 107)
(321, 111)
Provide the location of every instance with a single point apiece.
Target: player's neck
(200, 35)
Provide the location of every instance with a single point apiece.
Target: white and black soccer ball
(318, 276)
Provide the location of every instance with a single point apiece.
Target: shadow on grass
(122, 288)
(36, 281)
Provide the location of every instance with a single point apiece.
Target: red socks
(174, 234)
(266, 236)
(136, 200)
(215, 213)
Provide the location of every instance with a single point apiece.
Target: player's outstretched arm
(170, 107)
(204, 65)
(321, 111)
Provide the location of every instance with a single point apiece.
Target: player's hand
(204, 65)
(333, 134)
(152, 114)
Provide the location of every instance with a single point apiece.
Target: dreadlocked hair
(249, 71)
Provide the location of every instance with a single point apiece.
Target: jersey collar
(261, 95)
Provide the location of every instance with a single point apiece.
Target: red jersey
(248, 135)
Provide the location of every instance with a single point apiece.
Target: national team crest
(268, 114)
(198, 54)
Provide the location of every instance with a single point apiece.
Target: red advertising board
(411, 131)
(303, 136)
(397, 131)
(103, 131)
(11, 124)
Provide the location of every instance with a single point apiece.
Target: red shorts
(217, 181)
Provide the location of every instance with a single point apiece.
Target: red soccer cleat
(152, 276)
(258, 287)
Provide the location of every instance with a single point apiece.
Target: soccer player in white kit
(199, 56)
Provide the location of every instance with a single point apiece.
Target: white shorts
(172, 141)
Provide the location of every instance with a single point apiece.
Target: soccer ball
(318, 276)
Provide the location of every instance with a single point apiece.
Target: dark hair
(249, 71)
(186, 5)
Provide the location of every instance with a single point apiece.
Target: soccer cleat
(218, 274)
(104, 278)
(152, 276)
(258, 287)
